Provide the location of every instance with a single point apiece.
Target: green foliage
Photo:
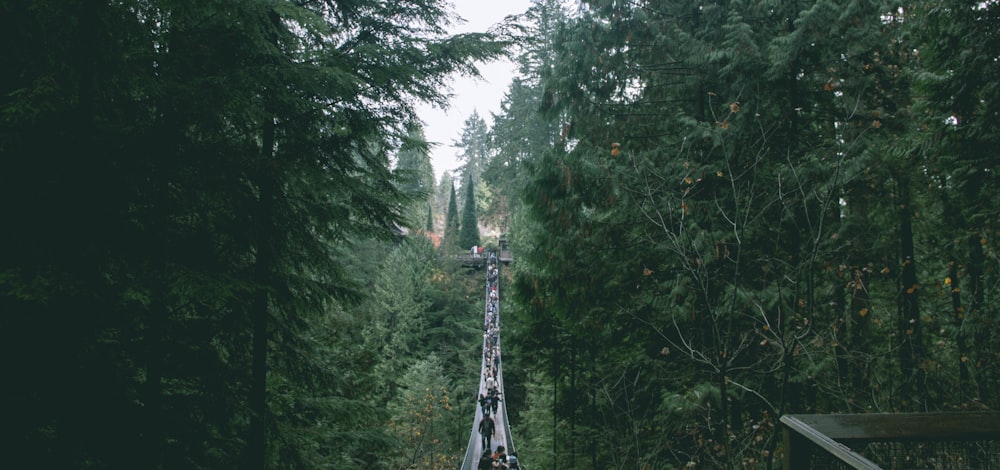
(469, 232)
(414, 162)
(732, 215)
(451, 225)
(424, 419)
(183, 185)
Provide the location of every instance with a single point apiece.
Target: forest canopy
(188, 189)
(220, 227)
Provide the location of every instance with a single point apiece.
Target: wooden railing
(963, 440)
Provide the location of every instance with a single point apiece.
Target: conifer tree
(215, 167)
(469, 231)
(451, 225)
(414, 163)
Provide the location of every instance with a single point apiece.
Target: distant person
(485, 461)
(486, 430)
(500, 454)
(495, 400)
(512, 463)
(484, 403)
(491, 383)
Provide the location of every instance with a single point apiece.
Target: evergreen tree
(414, 163)
(474, 155)
(956, 142)
(473, 147)
(469, 226)
(711, 171)
(451, 226)
(423, 416)
(200, 172)
(444, 187)
(429, 220)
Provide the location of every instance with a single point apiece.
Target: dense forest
(203, 262)
(731, 211)
(224, 245)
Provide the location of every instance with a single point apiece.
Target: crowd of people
(490, 400)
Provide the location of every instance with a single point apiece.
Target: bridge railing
(474, 447)
(912, 441)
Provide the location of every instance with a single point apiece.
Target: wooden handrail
(835, 433)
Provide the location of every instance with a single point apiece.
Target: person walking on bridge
(486, 430)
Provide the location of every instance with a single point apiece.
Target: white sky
(443, 128)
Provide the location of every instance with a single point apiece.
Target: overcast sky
(443, 128)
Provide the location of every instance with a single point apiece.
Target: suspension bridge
(491, 377)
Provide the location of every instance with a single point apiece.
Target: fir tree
(451, 226)
(469, 231)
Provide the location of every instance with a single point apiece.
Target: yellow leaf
(885, 270)
(965, 359)
(718, 173)
(876, 124)
(688, 180)
(947, 281)
(863, 312)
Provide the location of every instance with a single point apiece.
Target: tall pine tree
(469, 225)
